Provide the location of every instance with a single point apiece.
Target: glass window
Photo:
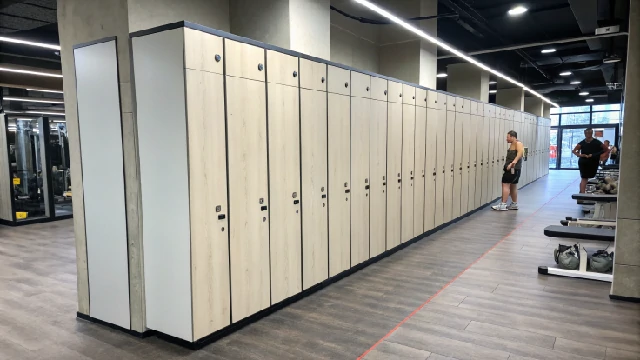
(606, 107)
(553, 148)
(575, 109)
(605, 117)
(575, 119)
(555, 120)
(570, 138)
(555, 110)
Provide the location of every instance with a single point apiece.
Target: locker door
(394, 170)
(339, 145)
(420, 172)
(449, 162)
(488, 156)
(442, 172)
(360, 186)
(471, 170)
(430, 170)
(466, 163)
(408, 164)
(479, 138)
(248, 180)
(313, 152)
(378, 179)
(457, 164)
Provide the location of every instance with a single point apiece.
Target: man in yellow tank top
(512, 168)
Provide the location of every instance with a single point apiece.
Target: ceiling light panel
(382, 12)
(565, 73)
(547, 51)
(518, 10)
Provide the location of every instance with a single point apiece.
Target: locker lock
(385, 92)
(260, 67)
(346, 84)
(322, 189)
(366, 181)
(425, 99)
(367, 88)
(295, 74)
(218, 58)
(413, 97)
(294, 195)
(398, 174)
(384, 178)
(400, 95)
(261, 200)
(218, 208)
(346, 184)
(322, 80)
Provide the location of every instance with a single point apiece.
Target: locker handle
(296, 202)
(221, 217)
(347, 191)
(384, 184)
(411, 178)
(263, 208)
(399, 181)
(366, 187)
(434, 174)
(324, 196)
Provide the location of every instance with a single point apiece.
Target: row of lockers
(270, 173)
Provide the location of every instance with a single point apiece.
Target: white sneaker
(500, 207)
(512, 206)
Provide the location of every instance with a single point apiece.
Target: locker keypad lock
(385, 92)
(346, 184)
(367, 88)
(346, 84)
(218, 58)
(218, 208)
(295, 74)
(261, 200)
(260, 67)
(322, 80)
(401, 95)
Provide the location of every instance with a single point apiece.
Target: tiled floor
(499, 308)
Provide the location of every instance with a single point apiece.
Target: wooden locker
(360, 186)
(457, 164)
(394, 165)
(339, 145)
(470, 131)
(283, 129)
(488, 156)
(466, 163)
(497, 183)
(408, 166)
(248, 180)
(313, 153)
(420, 171)
(408, 94)
(449, 164)
(208, 201)
(442, 171)
(479, 141)
(378, 168)
(430, 170)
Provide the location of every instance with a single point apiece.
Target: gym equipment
(600, 264)
(583, 233)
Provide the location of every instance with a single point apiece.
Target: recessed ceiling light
(39, 73)
(18, 41)
(584, 93)
(34, 100)
(575, 82)
(492, 82)
(493, 91)
(589, 100)
(441, 75)
(518, 10)
(546, 51)
(566, 73)
(434, 40)
(49, 91)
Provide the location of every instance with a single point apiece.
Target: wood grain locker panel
(442, 170)
(488, 167)
(466, 163)
(283, 125)
(408, 94)
(431, 171)
(395, 92)
(449, 165)
(432, 99)
(360, 85)
(421, 97)
(378, 177)
(379, 89)
(408, 168)
(419, 170)
(315, 210)
(244, 60)
(466, 106)
(339, 146)
(338, 80)
(394, 173)
(313, 75)
(203, 51)
(441, 101)
(282, 68)
(457, 165)
(474, 202)
(451, 102)
(360, 186)
(208, 202)
(248, 196)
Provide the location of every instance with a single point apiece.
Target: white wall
(310, 27)
(353, 43)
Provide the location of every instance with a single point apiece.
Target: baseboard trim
(137, 334)
(625, 298)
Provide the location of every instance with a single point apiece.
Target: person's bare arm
(576, 151)
(520, 149)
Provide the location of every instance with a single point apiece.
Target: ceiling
(484, 25)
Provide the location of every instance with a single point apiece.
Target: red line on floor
(460, 274)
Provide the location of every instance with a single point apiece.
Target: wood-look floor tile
(580, 348)
(519, 336)
(616, 354)
(390, 350)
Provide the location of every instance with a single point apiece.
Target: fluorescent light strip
(493, 91)
(49, 91)
(33, 100)
(441, 75)
(18, 41)
(433, 40)
(44, 113)
(30, 72)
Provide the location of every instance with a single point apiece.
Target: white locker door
(430, 170)
(420, 172)
(408, 163)
(457, 164)
(449, 165)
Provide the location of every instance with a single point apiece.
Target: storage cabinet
(394, 164)
(466, 163)
(420, 172)
(378, 167)
(457, 163)
(408, 164)
(431, 172)
(450, 160)
(442, 168)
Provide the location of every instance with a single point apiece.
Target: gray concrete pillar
(468, 80)
(626, 270)
(534, 105)
(82, 21)
(546, 111)
(511, 98)
(300, 25)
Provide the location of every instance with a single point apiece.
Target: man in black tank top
(512, 168)
(589, 151)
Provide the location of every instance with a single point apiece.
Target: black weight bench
(577, 232)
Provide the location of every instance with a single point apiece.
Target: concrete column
(546, 111)
(300, 25)
(626, 270)
(428, 51)
(511, 98)
(468, 80)
(534, 105)
(82, 21)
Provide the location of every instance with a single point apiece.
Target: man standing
(512, 169)
(589, 151)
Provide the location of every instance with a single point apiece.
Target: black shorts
(509, 178)
(588, 168)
